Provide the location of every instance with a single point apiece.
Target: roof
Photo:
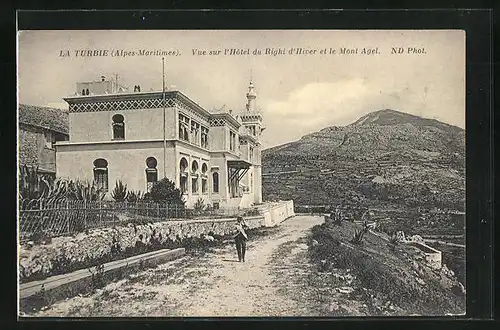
(48, 118)
(239, 163)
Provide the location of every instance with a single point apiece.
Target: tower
(251, 96)
(252, 124)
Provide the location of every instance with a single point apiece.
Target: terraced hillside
(385, 159)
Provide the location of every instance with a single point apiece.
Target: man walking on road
(241, 238)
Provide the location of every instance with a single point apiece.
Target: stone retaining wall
(40, 259)
(89, 248)
(278, 212)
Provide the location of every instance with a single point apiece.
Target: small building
(39, 129)
(140, 137)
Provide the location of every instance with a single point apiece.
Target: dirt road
(212, 284)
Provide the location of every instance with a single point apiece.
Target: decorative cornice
(223, 119)
(248, 117)
(134, 101)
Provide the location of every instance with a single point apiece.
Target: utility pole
(116, 82)
(164, 117)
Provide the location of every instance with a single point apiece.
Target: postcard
(226, 173)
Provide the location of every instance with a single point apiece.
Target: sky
(297, 93)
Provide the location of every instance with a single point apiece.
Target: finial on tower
(251, 96)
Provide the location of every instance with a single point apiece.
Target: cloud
(316, 102)
(321, 104)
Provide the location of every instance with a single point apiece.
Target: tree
(165, 191)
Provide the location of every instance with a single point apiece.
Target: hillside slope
(385, 159)
(376, 277)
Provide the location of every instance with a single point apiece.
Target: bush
(358, 237)
(146, 197)
(199, 205)
(32, 185)
(134, 196)
(366, 226)
(119, 193)
(84, 191)
(395, 240)
(165, 191)
(337, 218)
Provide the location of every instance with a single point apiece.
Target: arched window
(204, 178)
(215, 182)
(101, 174)
(184, 175)
(83, 91)
(87, 92)
(194, 179)
(194, 166)
(118, 127)
(151, 173)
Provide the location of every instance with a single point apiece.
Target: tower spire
(251, 96)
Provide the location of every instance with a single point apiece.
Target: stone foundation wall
(276, 213)
(40, 260)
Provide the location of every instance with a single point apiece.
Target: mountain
(386, 158)
(393, 117)
(380, 131)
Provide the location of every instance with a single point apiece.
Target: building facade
(141, 137)
(39, 129)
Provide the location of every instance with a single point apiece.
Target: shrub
(358, 237)
(366, 226)
(57, 191)
(156, 239)
(165, 191)
(98, 280)
(337, 218)
(146, 197)
(61, 264)
(31, 184)
(119, 193)
(394, 239)
(116, 248)
(84, 191)
(199, 205)
(134, 196)
(40, 236)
